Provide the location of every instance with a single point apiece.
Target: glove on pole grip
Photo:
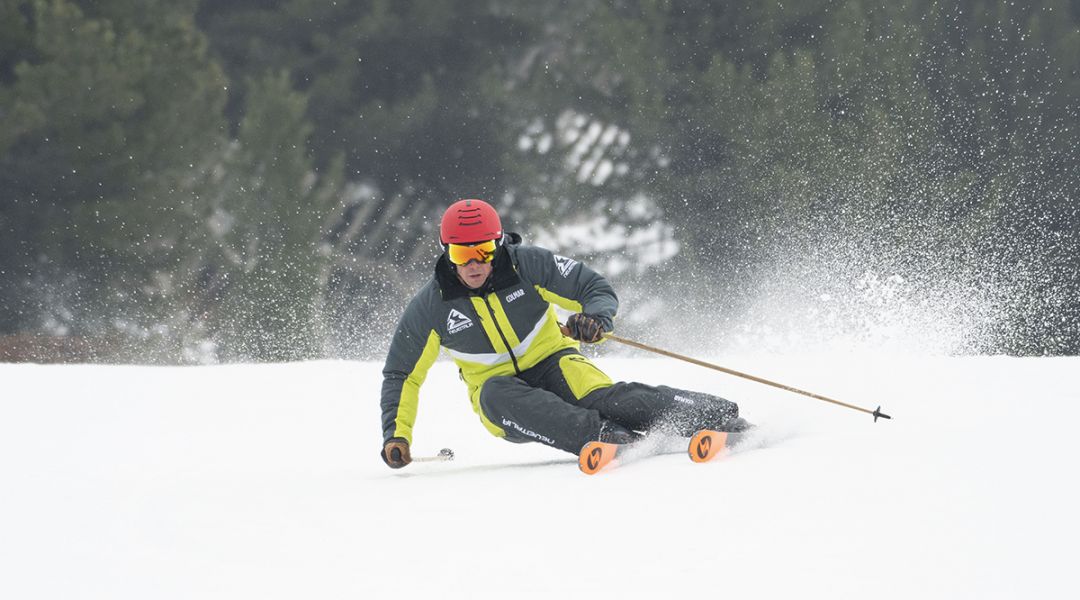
(395, 453)
(585, 328)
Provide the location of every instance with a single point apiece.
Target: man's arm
(412, 352)
(570, 284)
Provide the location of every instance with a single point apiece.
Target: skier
(489, 306)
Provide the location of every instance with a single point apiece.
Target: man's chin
(472, 282)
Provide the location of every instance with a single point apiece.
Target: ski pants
(548, 404)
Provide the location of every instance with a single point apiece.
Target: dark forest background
(197, 181)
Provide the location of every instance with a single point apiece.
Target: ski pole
(876, 412)
(444, 455)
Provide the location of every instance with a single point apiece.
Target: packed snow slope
(264, 482)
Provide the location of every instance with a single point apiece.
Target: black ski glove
(585, 328)
(395, 453)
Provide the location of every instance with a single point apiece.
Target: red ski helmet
(470, 221)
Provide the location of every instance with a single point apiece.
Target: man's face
(474, 274)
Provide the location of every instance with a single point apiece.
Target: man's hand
(585, 328)
(395, 453)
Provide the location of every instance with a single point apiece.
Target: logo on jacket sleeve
(456, 321)
(565, 265)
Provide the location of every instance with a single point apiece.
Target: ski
(706, 444)
(598, 456)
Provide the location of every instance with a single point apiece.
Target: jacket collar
(503, 273)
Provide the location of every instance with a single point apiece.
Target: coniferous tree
(269, 213)
(111, 126)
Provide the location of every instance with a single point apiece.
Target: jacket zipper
(501, 335)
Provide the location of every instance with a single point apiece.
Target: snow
(263, 481)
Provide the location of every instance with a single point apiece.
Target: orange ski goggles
(461, 254)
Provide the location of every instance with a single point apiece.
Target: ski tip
(706, 445)
(594, 456)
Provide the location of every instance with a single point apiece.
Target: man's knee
(494, 393)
